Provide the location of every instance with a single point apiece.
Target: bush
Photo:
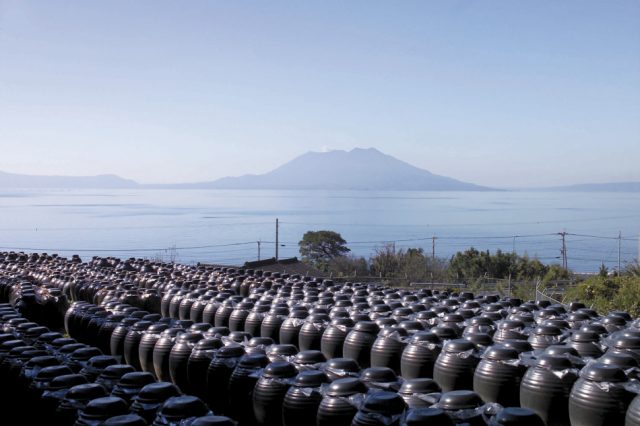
(406, 266)
(633, 269)
(328, 251)
(605, 294)
(348, 267)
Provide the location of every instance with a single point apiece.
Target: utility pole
(513, 252)
(619, 250)
(277, 235)
(433, 248)
(259, 242)
(563, 251)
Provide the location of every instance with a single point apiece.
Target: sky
(499, 93)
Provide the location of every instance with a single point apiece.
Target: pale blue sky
(500, 93)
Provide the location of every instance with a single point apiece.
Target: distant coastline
(355, 170)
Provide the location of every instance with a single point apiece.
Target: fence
(554, 291)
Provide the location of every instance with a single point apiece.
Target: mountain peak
(369, 150)
(368, 153)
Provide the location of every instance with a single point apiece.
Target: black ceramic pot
(218, 374)
(270, 391)
(340, 402)
(545, 389)
(300, 405)
(497, 377)
(419, 356)
(598, 397)
(455, 365)
(358, 343)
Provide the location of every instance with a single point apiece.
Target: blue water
(223, 226)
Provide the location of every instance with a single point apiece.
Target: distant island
(358, 169)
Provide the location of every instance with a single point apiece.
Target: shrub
(605, 294)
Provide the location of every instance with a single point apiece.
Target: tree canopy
(321, 247)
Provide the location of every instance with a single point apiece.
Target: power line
(587, 259)
(126, 250)
(480, 237)
(533, 243)
(573, 220)
(110, 228)
(602, 237)
(445, 240)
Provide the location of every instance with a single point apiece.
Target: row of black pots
(374, 325)
(280, 394)
(496, 377)
(63, 382)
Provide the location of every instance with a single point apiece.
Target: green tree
(320, 247)
(526, 269)
(554, 273)
(470, 265)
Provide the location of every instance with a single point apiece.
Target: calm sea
(224, 226)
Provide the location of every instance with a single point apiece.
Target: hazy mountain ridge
(358, 169)
(108, 181)
(598, 187)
